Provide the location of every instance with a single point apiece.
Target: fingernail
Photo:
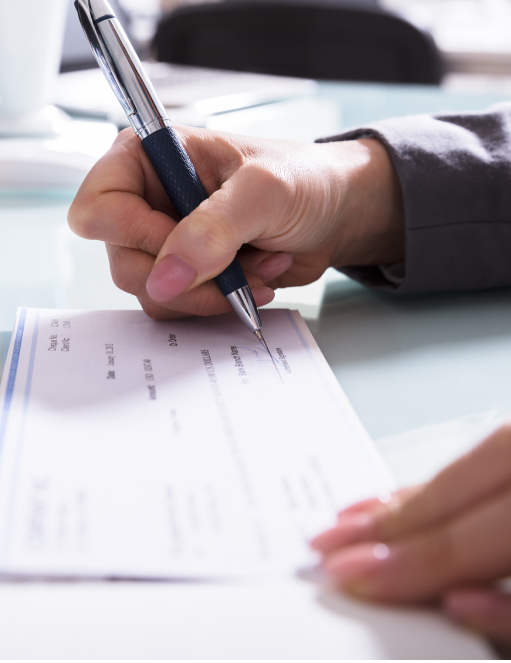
(170, 278)
(385, 497)
(361, 520)
(366, 506)
(349, 528)
(464, 605)
(358, 568)
(262, 295)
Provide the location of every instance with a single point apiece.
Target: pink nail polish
(170, 278)
(358, 567)
(349, 528)
(360, 521)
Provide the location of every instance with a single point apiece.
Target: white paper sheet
(263, 620)
(135, 448)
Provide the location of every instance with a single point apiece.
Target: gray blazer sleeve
(455, 175)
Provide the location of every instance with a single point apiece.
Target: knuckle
(121, 279)
(504, 433)
(80, 218)
(205, 303)
(141, 234)
(217, 237)
(275, 178)
(126, 274)
(126, 136)
(156, 311)
(499, 442)
(441, 556)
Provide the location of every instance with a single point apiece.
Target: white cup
(31, 37)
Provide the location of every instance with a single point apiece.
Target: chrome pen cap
(121, 67)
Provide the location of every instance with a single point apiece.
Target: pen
(124, 72)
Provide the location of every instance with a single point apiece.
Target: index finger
(475, 476)
(121, 201)
(474, 546)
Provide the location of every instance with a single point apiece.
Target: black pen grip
(185, 190)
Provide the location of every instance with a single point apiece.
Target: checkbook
(132, 448)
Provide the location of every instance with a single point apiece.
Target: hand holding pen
(300, 207)
(148, 118)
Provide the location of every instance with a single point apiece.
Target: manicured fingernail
(464, 605)
(358, 521)
(366, 506)
(170, 278)
(262, 295)
(350, 527)
(357, 568)
(385, 497)
(274, 266)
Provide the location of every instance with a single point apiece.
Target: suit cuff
(454, 171)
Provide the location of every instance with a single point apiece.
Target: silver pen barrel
(144, 110)
(243, 304)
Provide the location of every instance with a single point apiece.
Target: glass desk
(426, 374)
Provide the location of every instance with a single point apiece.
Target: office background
(473, 35)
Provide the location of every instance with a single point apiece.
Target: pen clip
(101, 54)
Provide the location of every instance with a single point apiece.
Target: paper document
(135, 448)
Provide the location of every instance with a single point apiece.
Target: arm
(455, 173)
(302, 208)
(293, 208)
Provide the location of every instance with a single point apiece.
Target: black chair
(324, 42)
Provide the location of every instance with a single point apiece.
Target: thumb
(205, 242)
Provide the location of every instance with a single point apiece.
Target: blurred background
(473, 36)
(459, 46)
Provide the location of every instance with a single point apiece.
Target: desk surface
(426, 374)
(54, 268)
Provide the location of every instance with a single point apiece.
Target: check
(135, 448)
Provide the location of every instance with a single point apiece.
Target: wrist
(370, 216)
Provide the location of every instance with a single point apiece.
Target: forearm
(454, 173)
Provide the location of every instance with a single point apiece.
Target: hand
(448, 539)
(294, 208)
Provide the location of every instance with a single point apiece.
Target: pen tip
(260, 337)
